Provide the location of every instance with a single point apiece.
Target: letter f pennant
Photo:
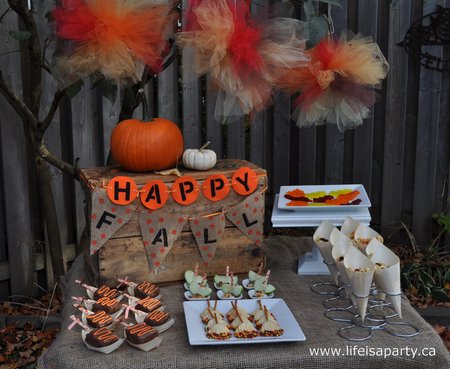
(106, 219)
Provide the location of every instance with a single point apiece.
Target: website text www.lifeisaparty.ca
(367, 351)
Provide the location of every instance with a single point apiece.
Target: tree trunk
(48, 206)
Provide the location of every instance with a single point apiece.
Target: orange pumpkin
(140, 146)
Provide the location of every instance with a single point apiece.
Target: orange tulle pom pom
(338, 84)
(113, 37)
(243, 57)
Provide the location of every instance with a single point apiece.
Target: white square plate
(196, 329)
(283, 202)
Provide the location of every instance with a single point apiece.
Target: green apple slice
(253, 276)
(190, 277)
(267, 289)
(197, 289)
(222, 279)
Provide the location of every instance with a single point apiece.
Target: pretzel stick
(266, 312)
(237, 311)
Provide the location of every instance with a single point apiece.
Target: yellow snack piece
(340, 192)
(315, 195)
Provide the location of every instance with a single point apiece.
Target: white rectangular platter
(283, 202)
(196, 329)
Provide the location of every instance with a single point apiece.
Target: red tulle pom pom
(243, 47)
(74, 21)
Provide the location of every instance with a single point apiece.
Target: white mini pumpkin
(199, 159)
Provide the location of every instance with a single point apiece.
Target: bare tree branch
(51, 113)
(46, 154)
(17, 104)
(34, 50)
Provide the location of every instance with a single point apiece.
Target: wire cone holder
(380, 314)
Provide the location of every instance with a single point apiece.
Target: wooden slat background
(401, 154)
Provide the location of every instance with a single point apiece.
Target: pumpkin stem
(145, 113)
(204, 146)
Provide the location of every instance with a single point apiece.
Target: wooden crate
(124, 254)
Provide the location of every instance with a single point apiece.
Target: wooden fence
(401, 154)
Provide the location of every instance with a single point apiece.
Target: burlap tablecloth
(68, 351)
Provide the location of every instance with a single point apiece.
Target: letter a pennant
(159, 232)
(106, 219)
(207, 232)
(248, 216)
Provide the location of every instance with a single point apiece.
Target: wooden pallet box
(124, 253)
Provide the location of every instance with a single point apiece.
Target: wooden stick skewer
(90, 288)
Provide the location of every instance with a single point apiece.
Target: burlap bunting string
(159, 232)
(248, 216)
(207, 232)
(106, 219)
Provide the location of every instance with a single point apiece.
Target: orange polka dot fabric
(159, 232)
(106, 219)
(208, 232)
(248, 216)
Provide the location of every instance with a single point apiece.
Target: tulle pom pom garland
(338, 84)
(113, 37)
(243, 57)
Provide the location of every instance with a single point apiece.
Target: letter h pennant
(106, 219)
(207, 232)
(159, 231)
(248, 216)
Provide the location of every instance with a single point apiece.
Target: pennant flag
(248, 216)
(207, 232)
(159, 232)
(106, 219)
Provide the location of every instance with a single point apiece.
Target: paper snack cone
(337, 236)
(364, 234)
(349, 227)
(340, 245)
(360, 270)
(322, 240)
(387, 272)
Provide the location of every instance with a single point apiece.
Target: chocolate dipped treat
(99, 319)
(148, 304)
(157, 318)
(146, 289)
(110, 306)
(105, 291)
(101, 338)
(141, 333)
